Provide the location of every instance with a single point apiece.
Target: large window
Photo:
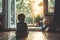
(51, 4)
(33, 10)
(0, 6)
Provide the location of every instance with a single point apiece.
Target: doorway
(33, 10)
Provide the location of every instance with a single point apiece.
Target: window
(12, 12)
(33, 9)
(51, 4)
(0, 6)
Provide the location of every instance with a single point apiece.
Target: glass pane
(0, 6)
(51, 4)
(13, 15)
(12, 12)
(33, 9)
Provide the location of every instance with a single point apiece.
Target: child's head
(21, 17)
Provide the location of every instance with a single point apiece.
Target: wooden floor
(33, 35)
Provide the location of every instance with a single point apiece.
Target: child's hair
(21, 17)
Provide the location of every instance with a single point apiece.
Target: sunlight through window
(31, 8)
(38, 7)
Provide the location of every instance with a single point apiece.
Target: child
(22, 29)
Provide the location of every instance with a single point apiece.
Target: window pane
(0, 6)
(51, 6)
(12, 12)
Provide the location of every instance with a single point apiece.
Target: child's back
(22, 29)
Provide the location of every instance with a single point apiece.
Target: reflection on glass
(0, 6)
(51, 6)
(12, 12)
